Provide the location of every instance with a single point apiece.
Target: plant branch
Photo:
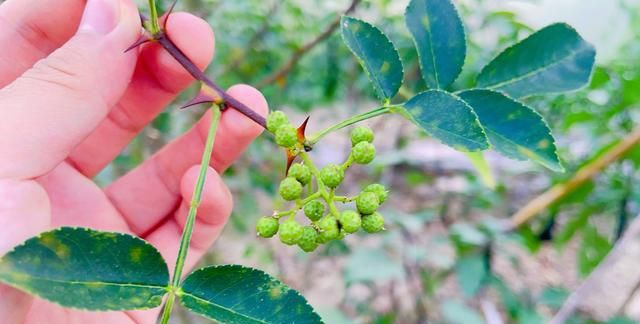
(587, 172)
(262, 30)
(177, 54)
(297, 55)
(193, 209)
(153, 10)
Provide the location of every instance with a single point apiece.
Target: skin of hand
(71, 100)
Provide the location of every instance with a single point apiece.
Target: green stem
(153, 11)
(313, 139)
(193, 209)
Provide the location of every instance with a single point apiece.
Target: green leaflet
(236, 294)
(439, 37)
(554, 59)
(377, 55)
(447, 118)
(514, 129)
(86, 269)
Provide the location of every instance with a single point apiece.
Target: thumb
(57, 103)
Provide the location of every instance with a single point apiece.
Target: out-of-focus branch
(304, 49)
(583, 175)
(612, 285)
(264, 28)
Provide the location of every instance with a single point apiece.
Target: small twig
(300, 52)
(172, 49)
(264, 28)
(583, 175)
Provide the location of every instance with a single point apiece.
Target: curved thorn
(290, 158)
(302, 130)
(199, 99)
(168, 14)
(143, 39)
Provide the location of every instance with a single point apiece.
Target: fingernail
(100, 16)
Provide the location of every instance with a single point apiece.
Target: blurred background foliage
(442, 258)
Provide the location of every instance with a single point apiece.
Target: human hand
(71, 100)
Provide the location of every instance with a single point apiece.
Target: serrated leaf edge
(363, 63)
(477, 121)
(542, 119)
(528, 74)
(29, 291)
(252, 270)
(415, 43)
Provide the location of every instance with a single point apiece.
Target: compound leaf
(554, 59)
(439, 37)
(86, 269)
(514, 129)
(377, 55)
(447, 118)
(236, 294)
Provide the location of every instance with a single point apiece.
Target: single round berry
(361, 134)
(363, 153)
(350, 221)
(332, 175)
(301, 172)
(328, 229)
(267, 226)
(290, 189)
(373, 223)
(367, 203)
(290, 232)
(309, 239)
(276, 120)
(287, 136)
(314, 210)
(379, 190)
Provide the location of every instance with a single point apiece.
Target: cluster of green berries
(317, 199)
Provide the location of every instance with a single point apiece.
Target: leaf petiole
(313, 139)
(193, 209)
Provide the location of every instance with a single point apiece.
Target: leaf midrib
(536, 71)
(104, 283)
(368, 66)
(506, 139)
(224, 308)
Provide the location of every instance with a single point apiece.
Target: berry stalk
(193, 209)
(313, 139)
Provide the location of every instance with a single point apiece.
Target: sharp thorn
(290, 158)
(143, 39)
(205, 96)
(168, 14)
(198, 100)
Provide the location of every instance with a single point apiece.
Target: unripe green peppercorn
(373, 223)
(290, 189)
(332, 175)
(350, 221)
(363, 153)
(328, 229)
(309, 239)
(267, 226)
(290, 232)
(361, 134)
(379, 190)
(301, 172)
(276, 120)
(287, 136)
(314, 210)
(367, 203)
